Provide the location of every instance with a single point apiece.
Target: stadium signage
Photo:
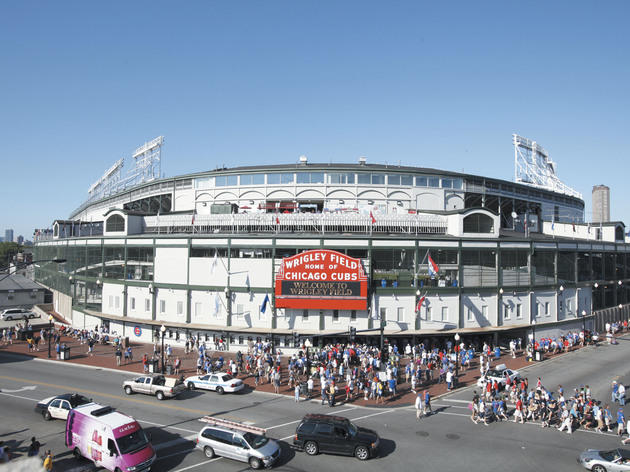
(321, 279)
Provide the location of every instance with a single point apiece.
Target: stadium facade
(264, 252)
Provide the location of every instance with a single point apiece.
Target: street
(446, 440)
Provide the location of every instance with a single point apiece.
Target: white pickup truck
(157, 385)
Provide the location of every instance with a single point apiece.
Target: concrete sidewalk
(103, 356)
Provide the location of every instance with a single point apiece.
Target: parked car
(16, 314)
(602, 461)
(58, 407)
(220, 382)
(237, 441)
(158, 385)
(335, 435)
(500, 373)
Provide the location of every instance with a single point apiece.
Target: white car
(220, 382)
(16, 314)
(500, 373)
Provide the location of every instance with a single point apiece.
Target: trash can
(169, 369)
(126, 342)
(154, 366)
(538, 356)
(65, 353)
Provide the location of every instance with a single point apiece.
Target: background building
(601, 204)
(208, 254)
(8, 235)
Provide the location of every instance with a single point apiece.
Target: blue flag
(263, 308)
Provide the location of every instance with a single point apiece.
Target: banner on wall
(321, 279)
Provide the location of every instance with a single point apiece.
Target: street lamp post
(457, 338)
(584, 323)
(534, 336)
(50, 319)
(162, 332)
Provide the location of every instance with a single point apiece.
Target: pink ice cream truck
(110, 439)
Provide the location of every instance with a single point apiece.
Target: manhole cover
(452, 436)
(423, 434)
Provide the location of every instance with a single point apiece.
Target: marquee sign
(321, 279)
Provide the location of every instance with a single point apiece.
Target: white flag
(247, 282)
(217, 303)
(215, 260)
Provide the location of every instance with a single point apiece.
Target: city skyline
(423, 85)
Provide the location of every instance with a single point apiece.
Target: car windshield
(352, 429)
(77, 400)
(227, 377)
(256, 441)
(494, 373)
(132, 442)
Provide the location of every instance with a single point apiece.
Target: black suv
(336, 435)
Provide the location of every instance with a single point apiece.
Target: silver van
(237, 441)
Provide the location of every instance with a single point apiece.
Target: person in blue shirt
(621, 421)
(392, 386)
(427, 403)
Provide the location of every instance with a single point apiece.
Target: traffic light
(296, 339)
(353, 334)
(223, 336)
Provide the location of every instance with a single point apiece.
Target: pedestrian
(33, 448)
(427, 403)
(296, 392)
(118, 355)
(178, 365)
(621, 421)
(621, 394)
(419, 406)
(145, 363)
(48, 461)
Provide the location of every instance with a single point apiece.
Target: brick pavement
(103, 356)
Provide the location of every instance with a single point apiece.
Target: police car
(500, 373)
(220, 382)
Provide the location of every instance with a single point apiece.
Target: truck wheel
(362, 453)
(191, 386)
(8, 318)
(311, 448)
(77, 454)
(255, 463)
(160, 395)
(209, 452)
(220, 390)
(47, 415)
(128, 390)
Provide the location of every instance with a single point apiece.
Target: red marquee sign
(321, 279)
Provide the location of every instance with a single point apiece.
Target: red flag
(277, 220)
(433, 267)
(372, 217)
(420, 302)
(193, 218)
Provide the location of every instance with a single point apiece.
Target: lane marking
(19, 396)
(173, 442)
(201, 463)
(167, 426)
(297, 421)
(109, 395)
(28, 387)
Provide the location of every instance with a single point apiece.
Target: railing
(296, 223)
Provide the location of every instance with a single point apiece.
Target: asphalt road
(445, 441)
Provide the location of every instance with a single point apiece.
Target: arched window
(115, 223)
(56, 230)
(619, 236)
(478, 223)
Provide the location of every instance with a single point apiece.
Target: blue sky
(435, 84)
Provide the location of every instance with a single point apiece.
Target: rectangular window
(335, 316)
(568, 307)
(506, 312)
(547, 312)
(252, 179)
(132, 302)
(560, 306)
(421, 181)
(434, 182)
(226, 180)
(383, 312)
(304, 315)
(341, 178)
(310, 177)
(363, 178)
(162, 306)
(110, 299)
(393, 179)
(147, 305)
(469, 314)
(447, 183)
(353, 315)
(180, 308)
(519, 311)
(239, 310)
(378, 179)
(117, 301)
(275, 179)
(457, 184)
(198, 308)
(429, 313)
(400, 314)
(406, 180)
(484, 311)
(444, 313)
